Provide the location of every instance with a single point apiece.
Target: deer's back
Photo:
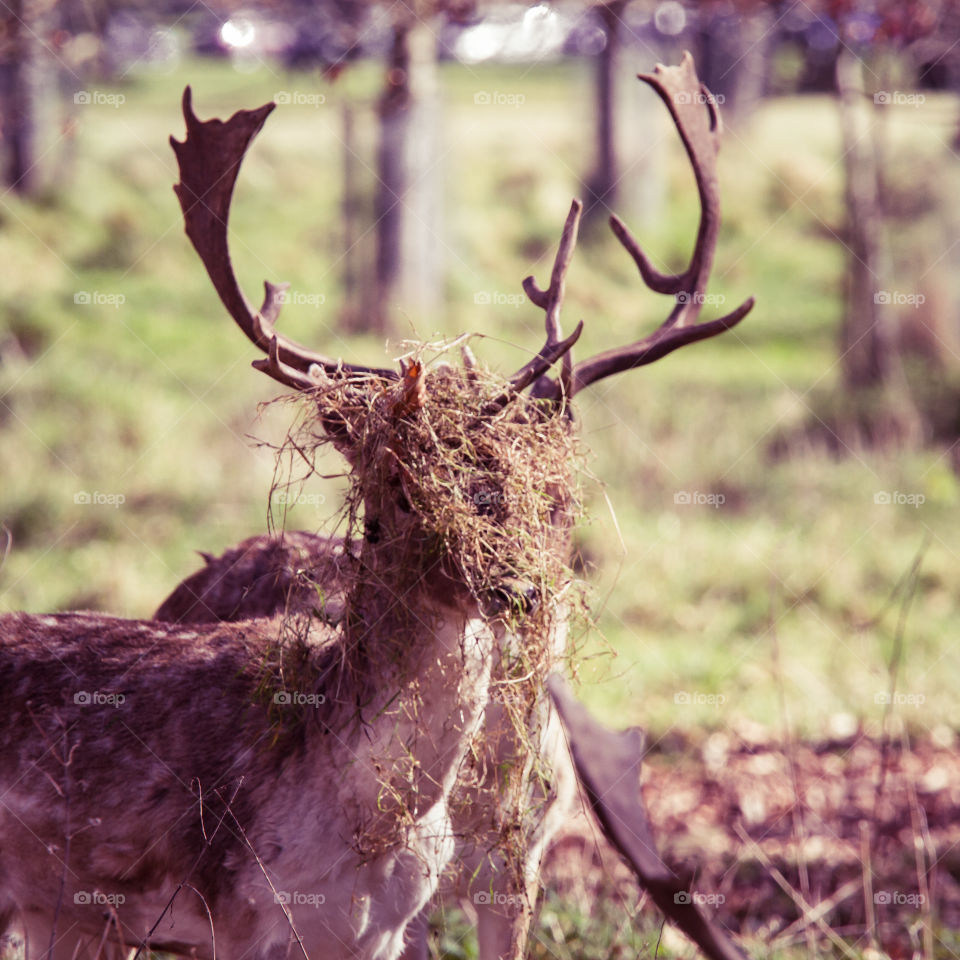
(170, 701)
(110, 725)
(263, 575)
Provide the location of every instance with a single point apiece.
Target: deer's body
(165, 729)
(263, 576)
(300, 572)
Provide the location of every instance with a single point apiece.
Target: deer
(259, 786)
(271, 575)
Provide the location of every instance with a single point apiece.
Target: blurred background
(773, 542)
(773, 536)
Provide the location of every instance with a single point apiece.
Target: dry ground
(866, 835)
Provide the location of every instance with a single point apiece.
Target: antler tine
(274, 367)
(531, 371)
(697, 120)
(551, 302)
(209, 159)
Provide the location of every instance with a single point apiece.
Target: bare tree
(407, 204)
(20, 53)
(602, 184)
(866, 337)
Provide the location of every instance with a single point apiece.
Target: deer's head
(464, 475)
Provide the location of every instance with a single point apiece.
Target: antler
(209, 160)
(608, 768)
(698, 122)
(550, 301)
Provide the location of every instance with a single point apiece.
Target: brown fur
(133, 753)
(261, 577)
(266, 575)
(178, 774)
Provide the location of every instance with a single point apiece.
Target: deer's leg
(503, 919)
(416, 944)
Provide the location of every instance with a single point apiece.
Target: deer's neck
(425, 657)
(401, 598)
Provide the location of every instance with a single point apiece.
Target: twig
(799, 825)
(273, 889)
(183, 883)
(115, 920)
(806, 909)
(908, 586)
(66, 761)
(905, 588)
(922, 845)
(866, 871)
(822, 909)
(206, 906)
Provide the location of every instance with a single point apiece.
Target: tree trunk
(18, 94)
(733, 55)
(393, 112)
(406, 206)
(601, 186)
(628, 173)
(422, 237)
(354, 307)
(865, 338)
(873, 376)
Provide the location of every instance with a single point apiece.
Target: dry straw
(491, 491)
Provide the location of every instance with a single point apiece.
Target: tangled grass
(452, 490)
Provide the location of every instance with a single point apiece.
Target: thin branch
(276, 893)
(821, 910)
(810, 913)
(206, 907)
(797, 818)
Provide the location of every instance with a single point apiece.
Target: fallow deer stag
(301, 573)
(268, 785)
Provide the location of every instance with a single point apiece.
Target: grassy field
(776, 602)
(151, 398)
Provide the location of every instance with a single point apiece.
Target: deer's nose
(512, 596)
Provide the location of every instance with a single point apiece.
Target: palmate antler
(209, 160)
(608, 768)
